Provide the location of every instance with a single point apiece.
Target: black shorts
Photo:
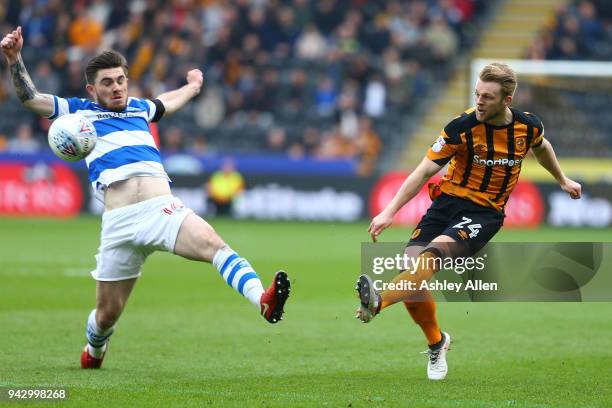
(460, 219)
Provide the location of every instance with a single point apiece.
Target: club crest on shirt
(520, 144)
(438, 145)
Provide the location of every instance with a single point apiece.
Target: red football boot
(87, 361)
(274, 298)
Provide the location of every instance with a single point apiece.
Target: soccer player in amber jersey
(485, 146)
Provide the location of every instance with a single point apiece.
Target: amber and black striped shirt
(485, 160)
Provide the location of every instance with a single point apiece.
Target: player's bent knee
(208, 244)
(435, 256)
(106, 321)
(197, 240)
(106, 317)
(412, 251)
(216, 243)
(448, 247)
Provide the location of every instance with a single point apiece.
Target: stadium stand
(322, 78)
(541, 30)
(580, 30)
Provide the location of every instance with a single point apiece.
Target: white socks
(96, 337)
(239, 274)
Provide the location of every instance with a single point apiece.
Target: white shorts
(131, 233)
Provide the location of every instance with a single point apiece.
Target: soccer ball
(72, 137)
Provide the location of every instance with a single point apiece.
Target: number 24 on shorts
(474, 228)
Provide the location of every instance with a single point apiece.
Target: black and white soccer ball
(72, 137)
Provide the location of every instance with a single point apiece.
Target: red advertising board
(385, 189)
(524, 209)
(47, 190)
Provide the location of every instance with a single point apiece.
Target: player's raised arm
(545, 155)
(174, 100)
(410, 187)
(11, 45)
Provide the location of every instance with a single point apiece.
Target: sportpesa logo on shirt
(498, 162)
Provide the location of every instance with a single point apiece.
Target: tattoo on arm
(21, 80)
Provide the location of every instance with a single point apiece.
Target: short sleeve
(441, 151)
(445, 146)
(63, 106)
(539, 136)
(144, 104)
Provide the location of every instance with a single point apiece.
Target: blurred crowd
(580, 30)
(322, 78)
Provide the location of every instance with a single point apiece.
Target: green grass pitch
(186, 339)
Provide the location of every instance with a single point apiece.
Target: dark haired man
(141, 214)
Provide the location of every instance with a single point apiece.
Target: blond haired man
(485, 146)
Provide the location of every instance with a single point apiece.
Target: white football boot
(370, 300)
(436, 366)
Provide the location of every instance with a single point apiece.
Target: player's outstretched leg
(198, 240)
(436, 366)
(370, 300)
(97, 343)
(273, 299)
(239, 274)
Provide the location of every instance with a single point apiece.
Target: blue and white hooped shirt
(125, 146)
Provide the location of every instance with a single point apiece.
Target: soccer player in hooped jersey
(485, 147)
(141, 214)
